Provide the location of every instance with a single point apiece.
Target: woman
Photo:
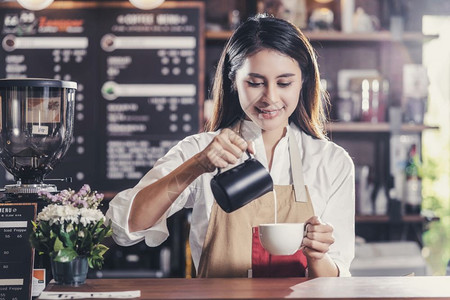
(267, 79)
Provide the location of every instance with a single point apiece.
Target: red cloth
(266, 265)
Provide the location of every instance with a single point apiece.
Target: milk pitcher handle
(249, 157)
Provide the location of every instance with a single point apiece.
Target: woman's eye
(284, 84)
(255, 84)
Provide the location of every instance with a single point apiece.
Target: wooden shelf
(385, 219)
(379, 36)
(373, 127)
(218, 35)
(109, 195)
(371, 219)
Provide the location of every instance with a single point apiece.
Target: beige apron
(227, 249)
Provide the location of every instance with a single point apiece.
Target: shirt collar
(250, 131)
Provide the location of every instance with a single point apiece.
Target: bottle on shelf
(413, 186)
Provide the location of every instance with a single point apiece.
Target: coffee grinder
(36, 130)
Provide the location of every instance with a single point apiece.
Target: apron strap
(301, 194)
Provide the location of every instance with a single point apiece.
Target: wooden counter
(408, 287)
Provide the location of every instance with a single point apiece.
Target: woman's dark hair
(265, 32)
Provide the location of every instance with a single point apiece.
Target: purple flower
(64, 193)
(85, 197)
(43, 193)
(85, 189)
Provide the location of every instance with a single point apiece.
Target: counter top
(407, 287)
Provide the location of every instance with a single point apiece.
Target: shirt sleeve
(120, 206)
(340, 210)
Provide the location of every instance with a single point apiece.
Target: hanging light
(35, 4)
(146, 4)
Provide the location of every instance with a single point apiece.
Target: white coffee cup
(281, 238)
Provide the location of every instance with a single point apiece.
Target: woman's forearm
(152, 201)
(324, 267)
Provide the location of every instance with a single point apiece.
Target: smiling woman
(267, 101)
(292, 49)
(269, 84)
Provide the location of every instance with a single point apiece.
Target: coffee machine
(36, 130)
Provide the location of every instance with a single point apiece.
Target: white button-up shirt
(328, 172)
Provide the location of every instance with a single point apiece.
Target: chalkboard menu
(16, 255)
(140, 86)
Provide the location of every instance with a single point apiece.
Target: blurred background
(384, 63)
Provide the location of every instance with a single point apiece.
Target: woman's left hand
(318, 238)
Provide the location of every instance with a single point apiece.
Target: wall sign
(16, 254)
(139, 75)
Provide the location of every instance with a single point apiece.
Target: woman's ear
(233, 87)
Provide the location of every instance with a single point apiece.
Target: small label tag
(43, 130)
(38, 284)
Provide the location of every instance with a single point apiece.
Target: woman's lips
(268, 113)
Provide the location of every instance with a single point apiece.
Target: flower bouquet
(70, 230)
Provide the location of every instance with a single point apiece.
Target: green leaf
(95, 262)
(73, 235)
(45, 227)
(91, 265)
(100, 236)
(65, 238)
(58, 245)
(98, 231)
(35, 242)
(105, 232)
(86, 242)
(65, 255)
(109, 232)
(100, 249)
(40, 243)
(98, 225)
(96, 258)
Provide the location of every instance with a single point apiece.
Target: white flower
(60, 214)
(69, 227)
(89, 215)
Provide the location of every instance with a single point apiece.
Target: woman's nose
(271, 94)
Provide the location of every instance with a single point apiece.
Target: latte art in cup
(281, 238)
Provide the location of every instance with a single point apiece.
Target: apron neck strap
(301, 194)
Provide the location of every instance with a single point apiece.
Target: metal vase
(70, 273)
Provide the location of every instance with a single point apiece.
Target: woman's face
(268, 86)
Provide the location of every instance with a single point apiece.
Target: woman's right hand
(226, 148)
(152, 201)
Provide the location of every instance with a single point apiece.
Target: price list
(140, 85)
(150, 86)
(16, 254)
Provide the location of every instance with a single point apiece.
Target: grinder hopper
(36, 129)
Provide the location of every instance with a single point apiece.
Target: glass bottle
(413, 186)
